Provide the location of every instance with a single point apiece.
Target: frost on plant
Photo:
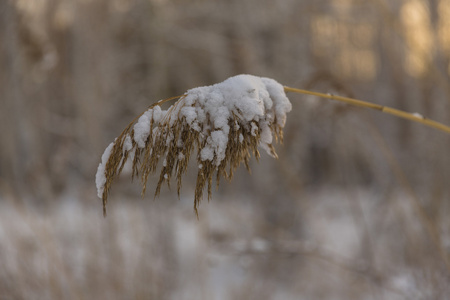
(225, 123)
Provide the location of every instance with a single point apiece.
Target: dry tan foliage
(163, 145)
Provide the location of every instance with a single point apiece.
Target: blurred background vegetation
(355, 207)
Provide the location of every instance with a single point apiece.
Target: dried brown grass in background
(74, 73)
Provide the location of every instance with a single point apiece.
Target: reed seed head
(223, 125)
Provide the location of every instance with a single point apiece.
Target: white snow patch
(127, 143)
(418, 115)
(254, 129)
(207, 153)
(100, 178)
(189, 113)
(257, 101)
(180, 156)
(142, 128)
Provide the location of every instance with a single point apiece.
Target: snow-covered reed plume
(225, 123)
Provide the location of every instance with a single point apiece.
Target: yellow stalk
(388, 110)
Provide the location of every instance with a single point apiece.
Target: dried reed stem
(385, 109)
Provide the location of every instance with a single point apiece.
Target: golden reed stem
(385, 109)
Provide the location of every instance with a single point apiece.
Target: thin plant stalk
(385, 109)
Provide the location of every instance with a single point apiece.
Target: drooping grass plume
(223, 125)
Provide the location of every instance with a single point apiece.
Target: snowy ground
(340, 245)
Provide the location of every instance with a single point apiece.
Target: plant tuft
(222, 125)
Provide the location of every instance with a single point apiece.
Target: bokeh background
(356, 206)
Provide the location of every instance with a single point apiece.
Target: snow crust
(142, 127)
(100, 178)
(257, 102)
(418, 115)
